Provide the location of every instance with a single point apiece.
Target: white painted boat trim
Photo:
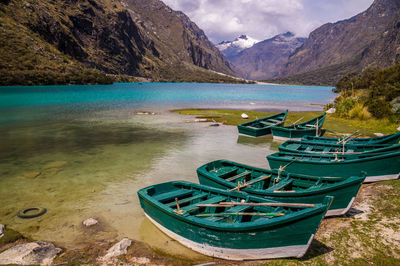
(241, 134)
(284, 138)
(376, 178)
(342, 211)
(237, 254)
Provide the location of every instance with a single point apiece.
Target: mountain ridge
(131, 37)
(347, 43)
(264, 59)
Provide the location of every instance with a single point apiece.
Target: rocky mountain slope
(131, 37)
(371, 37)
(264, 59)
(232, 48)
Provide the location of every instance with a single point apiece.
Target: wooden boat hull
(293, 146)
(296, 132)
(389, 139)
(286, 236)
(261, 130)
(385, 166)
(344, 190)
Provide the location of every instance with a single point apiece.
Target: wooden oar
(351, 135)
(283, 168)
(239, 186)
(297, 120)
(272, 204)
(240, 213)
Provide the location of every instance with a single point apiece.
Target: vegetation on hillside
(373, 93)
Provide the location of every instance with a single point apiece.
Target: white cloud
(262, 19)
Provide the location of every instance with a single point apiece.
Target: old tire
(31, 212)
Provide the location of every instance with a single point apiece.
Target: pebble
(32, 175)
(244, 116)
(1, 230)
(56, 164)
(37, 253)
(90, 222)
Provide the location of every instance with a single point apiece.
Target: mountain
(334, 49)
(55, 41)
(232, 48)
(264, 59)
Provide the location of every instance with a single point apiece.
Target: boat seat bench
(293, 146)
(281, 184)
(274, 120)
(173, 194)
(213, 200)
(186, 200)
(243, 174)
(227, 173)
(265, 123)
(235, 209)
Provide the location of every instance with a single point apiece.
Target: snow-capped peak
(240, 43)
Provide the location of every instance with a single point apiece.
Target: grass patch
(366, 128)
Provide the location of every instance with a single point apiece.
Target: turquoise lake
(84, 151)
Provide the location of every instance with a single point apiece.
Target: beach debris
(35, 253)
(118, 249)
(1, 230)
(331, 110)
(90, 222)
(56, 164)
(139, 260)
(32, 175)
(244, 116)
(214, 125)
(200, 120)
(378, 134)
(145, 113)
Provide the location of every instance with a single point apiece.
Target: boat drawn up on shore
(261, 127)
(389, 139)
(295, 146)
(297, 131)
(229, 224)
(379, 166)
(280, 185)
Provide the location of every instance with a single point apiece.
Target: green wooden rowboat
(295, 146)
(381, 166)
(389, 139)
(231, 225)
(281, 186)
(262, 126)
(297, 131)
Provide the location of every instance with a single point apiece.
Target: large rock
(90, 222)
(30, 253)
(115, 251)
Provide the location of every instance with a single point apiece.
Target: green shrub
(359, 111)
(379, 108)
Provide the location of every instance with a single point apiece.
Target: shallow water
(88, 159)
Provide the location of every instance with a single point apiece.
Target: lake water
(84, 151)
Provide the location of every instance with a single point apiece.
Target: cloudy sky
(262, 19)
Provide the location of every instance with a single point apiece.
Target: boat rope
(281, 168)
(178, 208)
